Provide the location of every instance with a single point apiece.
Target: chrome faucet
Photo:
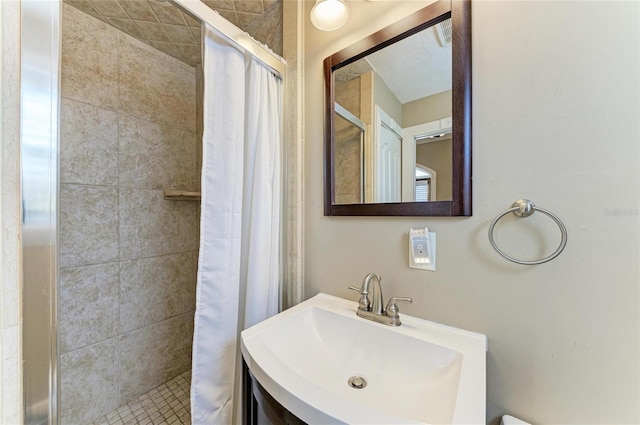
(376, 302)
(372, 309)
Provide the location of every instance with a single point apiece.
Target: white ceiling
(415, 67)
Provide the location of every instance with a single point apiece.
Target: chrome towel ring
(524, 208)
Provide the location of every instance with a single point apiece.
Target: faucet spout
(377, 303)
(372, 309)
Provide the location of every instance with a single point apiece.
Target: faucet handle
(392, 309)
(363, 302)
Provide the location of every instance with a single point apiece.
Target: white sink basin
(419, 372)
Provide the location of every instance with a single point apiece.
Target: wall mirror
(398, 118)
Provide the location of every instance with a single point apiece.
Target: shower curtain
(239, 261)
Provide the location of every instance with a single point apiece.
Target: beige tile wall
(348, 155)
(162, 25)
(267, 28)
(10, 283)
(128, 258)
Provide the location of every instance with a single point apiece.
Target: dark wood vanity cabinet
(259, 407)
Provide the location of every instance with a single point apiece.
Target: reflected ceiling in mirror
(397, 134)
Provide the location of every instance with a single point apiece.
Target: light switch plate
(415, 260)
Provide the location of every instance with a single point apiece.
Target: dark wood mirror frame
(460, 13)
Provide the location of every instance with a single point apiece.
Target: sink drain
(357, 382)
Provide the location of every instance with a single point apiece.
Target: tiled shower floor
(167, 404)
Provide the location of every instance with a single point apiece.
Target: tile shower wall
(162, 25)
(128, 258)
(349, 161)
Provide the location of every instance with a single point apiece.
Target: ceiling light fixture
(329, 15)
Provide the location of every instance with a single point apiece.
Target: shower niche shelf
(181, 195)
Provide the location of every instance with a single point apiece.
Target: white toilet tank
(510, 420)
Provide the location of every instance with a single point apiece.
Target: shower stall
(127, 256)
(110, 259)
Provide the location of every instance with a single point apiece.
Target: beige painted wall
(292, 48)
(549, 124)
(427, 109)
(384, 97)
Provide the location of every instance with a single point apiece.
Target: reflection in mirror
(393, 122)
(405, 94)
(349, 157)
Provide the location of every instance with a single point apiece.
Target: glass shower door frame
(39, 170)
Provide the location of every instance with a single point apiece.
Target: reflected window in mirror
(425, 184)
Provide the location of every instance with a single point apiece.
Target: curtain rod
(205, 15)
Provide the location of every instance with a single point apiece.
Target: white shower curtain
(239, 261)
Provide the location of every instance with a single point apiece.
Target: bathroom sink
(419, 372)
